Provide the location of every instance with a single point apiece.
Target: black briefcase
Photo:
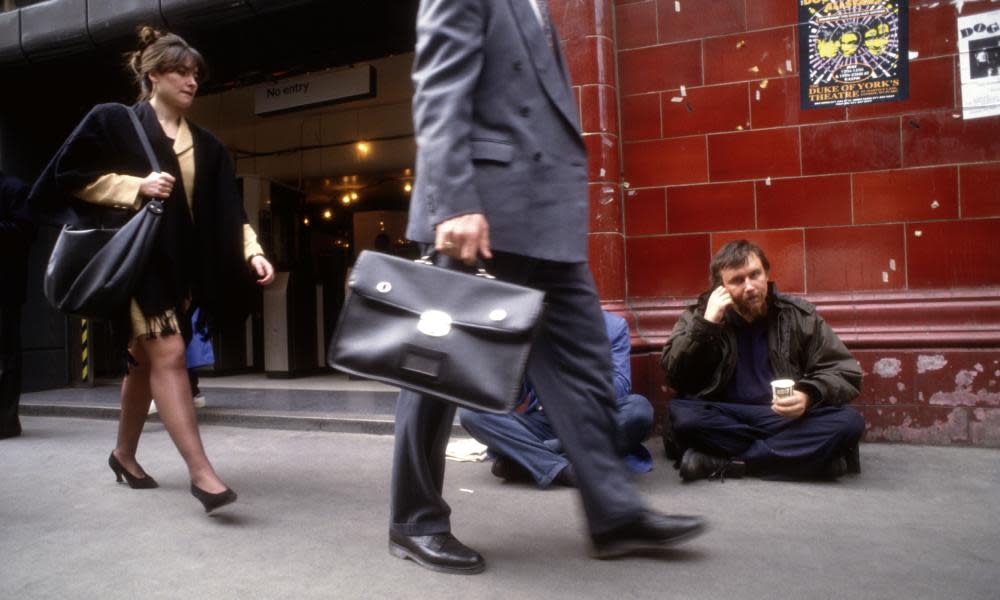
(457, 336)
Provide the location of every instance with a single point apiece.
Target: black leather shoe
(566, 477)
(698, 465)
(852, 456)
(510, 470)
(440, 552)
(146, 482)
(836, 469)
(213, 501)
(671, 448)
(650, 531)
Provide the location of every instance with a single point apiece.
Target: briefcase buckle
(435, 323)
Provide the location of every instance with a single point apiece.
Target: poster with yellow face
(853, 52)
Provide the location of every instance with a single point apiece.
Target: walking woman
(206, 254)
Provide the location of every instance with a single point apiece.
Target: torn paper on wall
(979, 59)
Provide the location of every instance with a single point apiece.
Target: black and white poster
(979, 56)
(853, 52)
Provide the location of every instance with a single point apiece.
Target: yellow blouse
(122, 191)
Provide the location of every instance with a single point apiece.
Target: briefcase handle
(429, 259)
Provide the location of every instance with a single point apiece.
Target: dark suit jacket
(16, 234)
(497, 130)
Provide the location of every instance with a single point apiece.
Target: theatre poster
(853, 52)
(979, 57)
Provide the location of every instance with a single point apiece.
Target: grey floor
(920, 522)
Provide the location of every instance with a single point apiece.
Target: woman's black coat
(202, 260)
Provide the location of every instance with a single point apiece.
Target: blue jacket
(621, 350)
(638, 459)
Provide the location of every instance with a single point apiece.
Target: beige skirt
(142, 326)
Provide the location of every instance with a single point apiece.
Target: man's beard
(751, 310)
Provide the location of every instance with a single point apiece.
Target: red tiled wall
(894, 196)
(586, 30)
(696, 138)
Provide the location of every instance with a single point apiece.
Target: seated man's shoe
(852, 456)
(650, 531)
(698, 465)
(671, 448)
(566, 477)
(439, 552)
(836, 469)
(509, 470)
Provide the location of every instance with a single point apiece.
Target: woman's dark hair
(734, 255)
(161, 52)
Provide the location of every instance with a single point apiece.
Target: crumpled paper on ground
(465, 450)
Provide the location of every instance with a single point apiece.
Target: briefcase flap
(444, 297)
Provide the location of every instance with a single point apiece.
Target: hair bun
(148, 35)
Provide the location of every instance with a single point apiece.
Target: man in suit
(16, 234)
(524, 446)
(502, 175)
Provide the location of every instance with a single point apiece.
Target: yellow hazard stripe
(84, 353)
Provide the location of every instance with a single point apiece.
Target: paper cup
(782, 388)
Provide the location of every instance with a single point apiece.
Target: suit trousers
(772, 446)
(570, 366)
(529, 440)
(10, 368)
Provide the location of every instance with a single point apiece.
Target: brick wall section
(897, 198)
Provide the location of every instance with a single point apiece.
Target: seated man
(525, 445)
(721, 358)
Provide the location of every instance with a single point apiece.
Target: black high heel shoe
(136, 483)
(213, 501)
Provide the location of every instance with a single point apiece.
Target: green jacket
(700, 357)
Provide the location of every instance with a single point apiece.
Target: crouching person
(721, 359)
(524, 443)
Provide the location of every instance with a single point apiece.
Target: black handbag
(92, 273)
(457, 336)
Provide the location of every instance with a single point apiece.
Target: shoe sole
(401, 552)
(633, 546)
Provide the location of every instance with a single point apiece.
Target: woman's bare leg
(168, 382)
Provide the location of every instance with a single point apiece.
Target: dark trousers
(530, 440)
(770, 444)
(570, 366)
(10, 368)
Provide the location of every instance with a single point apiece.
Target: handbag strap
(143, 138)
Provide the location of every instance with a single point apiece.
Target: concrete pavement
(919, 522)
